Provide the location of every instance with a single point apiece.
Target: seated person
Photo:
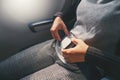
(95, 35)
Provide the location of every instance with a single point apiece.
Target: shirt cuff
(58, 14)
(92, 54)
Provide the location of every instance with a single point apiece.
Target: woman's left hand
(77, 53)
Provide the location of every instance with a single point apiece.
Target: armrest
(39, 24)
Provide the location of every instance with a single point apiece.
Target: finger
(55, 33)
(75, 41)
(57, 36)
(64, 51)
(65, 56)
(52, 30)
(68, 60)
(68, 51)
(66, 31)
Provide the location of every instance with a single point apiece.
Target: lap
(28, 61)
(55, 72)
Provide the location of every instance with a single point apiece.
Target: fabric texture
(28, 61)
(91, 14)
(55, 72)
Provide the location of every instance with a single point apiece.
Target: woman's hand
(77, 53)
(58, 24)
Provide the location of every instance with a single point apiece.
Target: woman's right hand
(58, 24)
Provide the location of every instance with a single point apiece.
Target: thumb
(75, 41)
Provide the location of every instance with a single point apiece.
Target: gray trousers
(39, 62)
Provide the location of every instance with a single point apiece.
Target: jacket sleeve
(69, 15)
(109, 63)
